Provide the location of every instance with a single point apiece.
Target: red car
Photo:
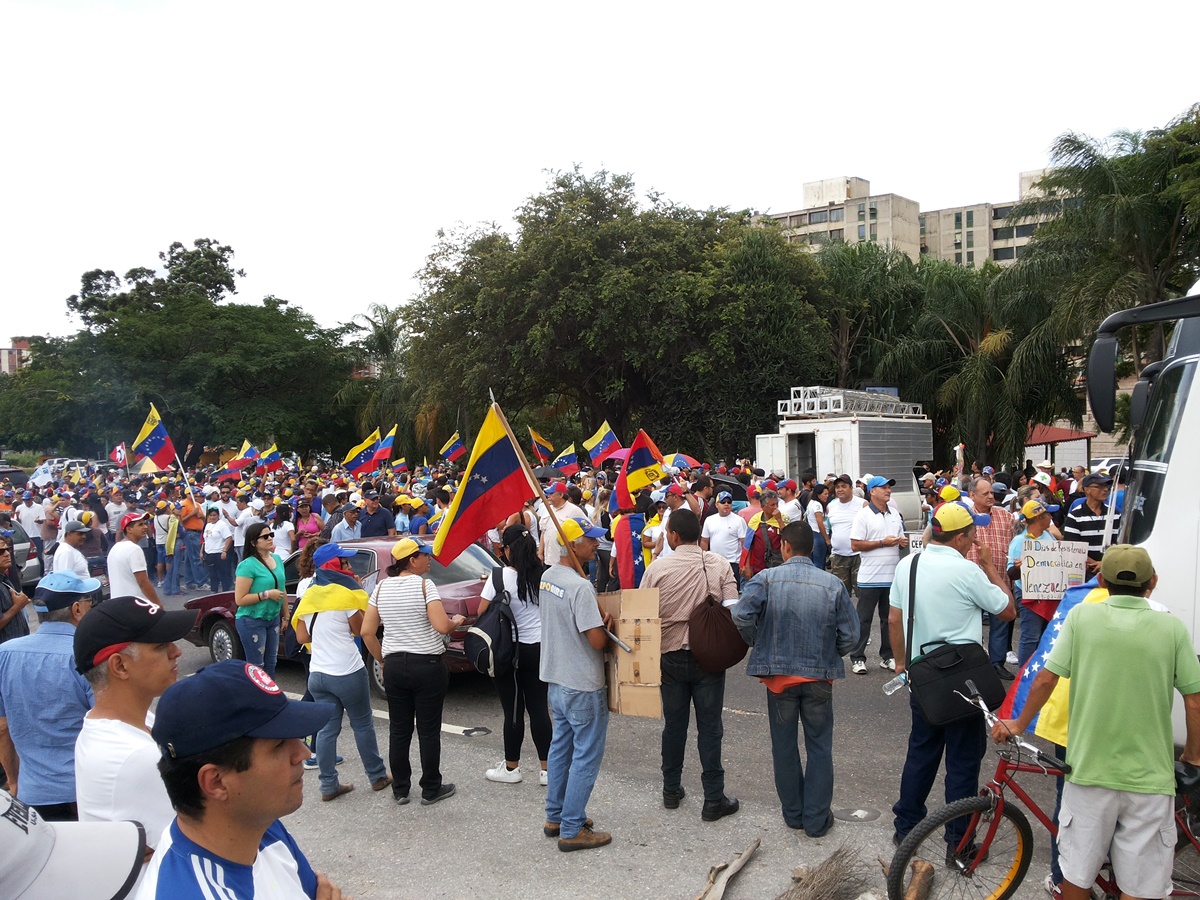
(459, 585)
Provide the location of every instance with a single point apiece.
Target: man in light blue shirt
(43, 699)
(349, 528)
(951, 594)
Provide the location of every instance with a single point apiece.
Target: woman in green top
(260, 595)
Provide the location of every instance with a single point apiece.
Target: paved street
(487, 840)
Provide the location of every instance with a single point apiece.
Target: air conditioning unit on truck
(856, 432)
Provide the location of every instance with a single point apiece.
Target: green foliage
(25, 459)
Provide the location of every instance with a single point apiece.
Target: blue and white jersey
(183, 870)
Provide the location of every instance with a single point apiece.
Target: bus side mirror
(1102, 381)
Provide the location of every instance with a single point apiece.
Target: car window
(363, 563)
(19, 536)
(473, 564)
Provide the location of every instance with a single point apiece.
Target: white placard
(915, 544)
(1049, 567)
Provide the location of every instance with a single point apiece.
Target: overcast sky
(328, 142)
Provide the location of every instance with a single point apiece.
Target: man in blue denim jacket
(799, 622)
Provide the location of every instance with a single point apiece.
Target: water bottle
(895, 684)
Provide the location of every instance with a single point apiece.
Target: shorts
(1136, 831)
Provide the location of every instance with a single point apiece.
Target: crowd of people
(804, 567)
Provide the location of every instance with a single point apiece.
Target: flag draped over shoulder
(362, 457)
(642, 467)
(154, 442)
(330, 590)
(567, 462)
(453, 448)
(384, 451)
(493, 487)
(602, 444)
(627, 544)
(1018, 692)
(542, 448)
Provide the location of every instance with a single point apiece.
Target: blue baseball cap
(226, 701)
(58, 590)
(326, 552)
(880, 481)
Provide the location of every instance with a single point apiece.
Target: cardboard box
(641, 700)
(644, 664)
(641, 603)
(611, 682)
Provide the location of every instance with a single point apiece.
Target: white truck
(853, 432)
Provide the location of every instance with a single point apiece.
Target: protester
(1035, 515)
(285, 531)
(415, 676)
(815, 517)
(876, 535)
(191, 523)
(724, 533)
(840, 514)
(522, 692)
(260, 593)
(13, 600)
(43, 699)
(951, 592)
(375, 519)
(218, 548)
(1087, 522)
(128, 574)
(799, 623)
(67, 557)
(684, 579)
(994, 535)
(761, 548)
(231, 760)
(125, 649)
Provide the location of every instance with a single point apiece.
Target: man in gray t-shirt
(572, 664)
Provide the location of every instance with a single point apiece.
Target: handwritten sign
(1049, 567)
(915, 544)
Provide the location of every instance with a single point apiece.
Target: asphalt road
(486, 842)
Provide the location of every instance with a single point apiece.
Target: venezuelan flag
(567, 462)
(153, 441)
(453, 448)
(642, 467)
(362, 457)
(245, 457)
(627, 545)
(270, 461)
(542, 448)
(400, 465)
(384, 451)
(330, 590)
(601, 444)
(494, 486)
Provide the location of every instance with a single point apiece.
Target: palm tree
(380, 392)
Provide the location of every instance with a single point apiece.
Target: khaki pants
(845, 568)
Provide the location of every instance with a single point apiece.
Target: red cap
(129, 518)
(677, 490)
(769, 485)
(558, 488)
(790, 484)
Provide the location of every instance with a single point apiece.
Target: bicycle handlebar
(1051, 762)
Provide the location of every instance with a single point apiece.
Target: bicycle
(991, 858)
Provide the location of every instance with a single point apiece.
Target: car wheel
(223, 642)
(375, 673)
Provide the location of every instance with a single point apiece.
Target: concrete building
(844, 209)
(968, 235)
(14, 357)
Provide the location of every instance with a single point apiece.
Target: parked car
(16, 477)
(459, 585)
(31, 566)
(97, 568)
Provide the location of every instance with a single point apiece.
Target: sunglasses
(267, 535)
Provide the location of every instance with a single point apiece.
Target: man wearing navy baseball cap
(232, 762)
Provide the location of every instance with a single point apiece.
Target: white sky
(327, 142)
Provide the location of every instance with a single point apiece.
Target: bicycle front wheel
(975, 865)
(1185, 875)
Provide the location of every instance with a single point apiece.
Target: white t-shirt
(406, 625)
(162, 523)
(245, 519)
(285, 539)
(115, 512)
(792, 509)
(526, 612)
(68, 559)
(116, 777)
(125, 560)
(662, 529)
(549, 534)
(839, 519)
(69, 514)
(215, 536)
(725, 535)
(29, 517)
(333, 649)
(814, 507)
(228, 508)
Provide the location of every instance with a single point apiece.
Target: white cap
(256, 504)
(44, 861)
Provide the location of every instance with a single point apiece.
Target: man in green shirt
(1125, 661)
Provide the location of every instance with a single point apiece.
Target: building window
(837, 215)
(798, 221)
(922, 226)
(1002, 234)
(862, 211)
(1002, 253)
(958, 259)
(970, 239)
(1001, 212)
(874, 210)
(862, 232)
(1026, 230)
(970, 218)
(970, 259)
(818, 237)
(815, 218)
(874, 232)
(836, 234)
(958, 221)
(958, 240)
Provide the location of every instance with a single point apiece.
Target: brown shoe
(380, 784)
(551, 829)
(585, 840)
(342, 789)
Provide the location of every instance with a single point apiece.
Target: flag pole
(537, 487)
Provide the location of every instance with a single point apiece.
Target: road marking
(460, 730)
(744, 712)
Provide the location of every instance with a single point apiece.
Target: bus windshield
(1152, 452)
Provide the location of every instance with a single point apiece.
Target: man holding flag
(1125, 661)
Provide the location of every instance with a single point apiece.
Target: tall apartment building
(844, 209)
(14, 357)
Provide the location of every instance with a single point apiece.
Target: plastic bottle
(895, 684)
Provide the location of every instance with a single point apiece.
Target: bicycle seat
(1187, 777)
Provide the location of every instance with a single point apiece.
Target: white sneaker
(859, 667)
(1052, 889)
(888, 663)
(1011, 659)
(543, 777)
(503, 774)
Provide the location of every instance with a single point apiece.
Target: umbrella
(622, 454)
(547, 472)
(680, 460)
(731, 484)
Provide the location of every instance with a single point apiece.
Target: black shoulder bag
(939, 672)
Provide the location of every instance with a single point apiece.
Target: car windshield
(473, 564)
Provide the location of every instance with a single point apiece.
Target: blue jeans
(195, 572)
(1033, 627)
(684, 684)
(260, 641)
(820, 552)
(580, 731)
(999, 638)
(806, 797)
(964, 744)
(173, 562)
(351, 693)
